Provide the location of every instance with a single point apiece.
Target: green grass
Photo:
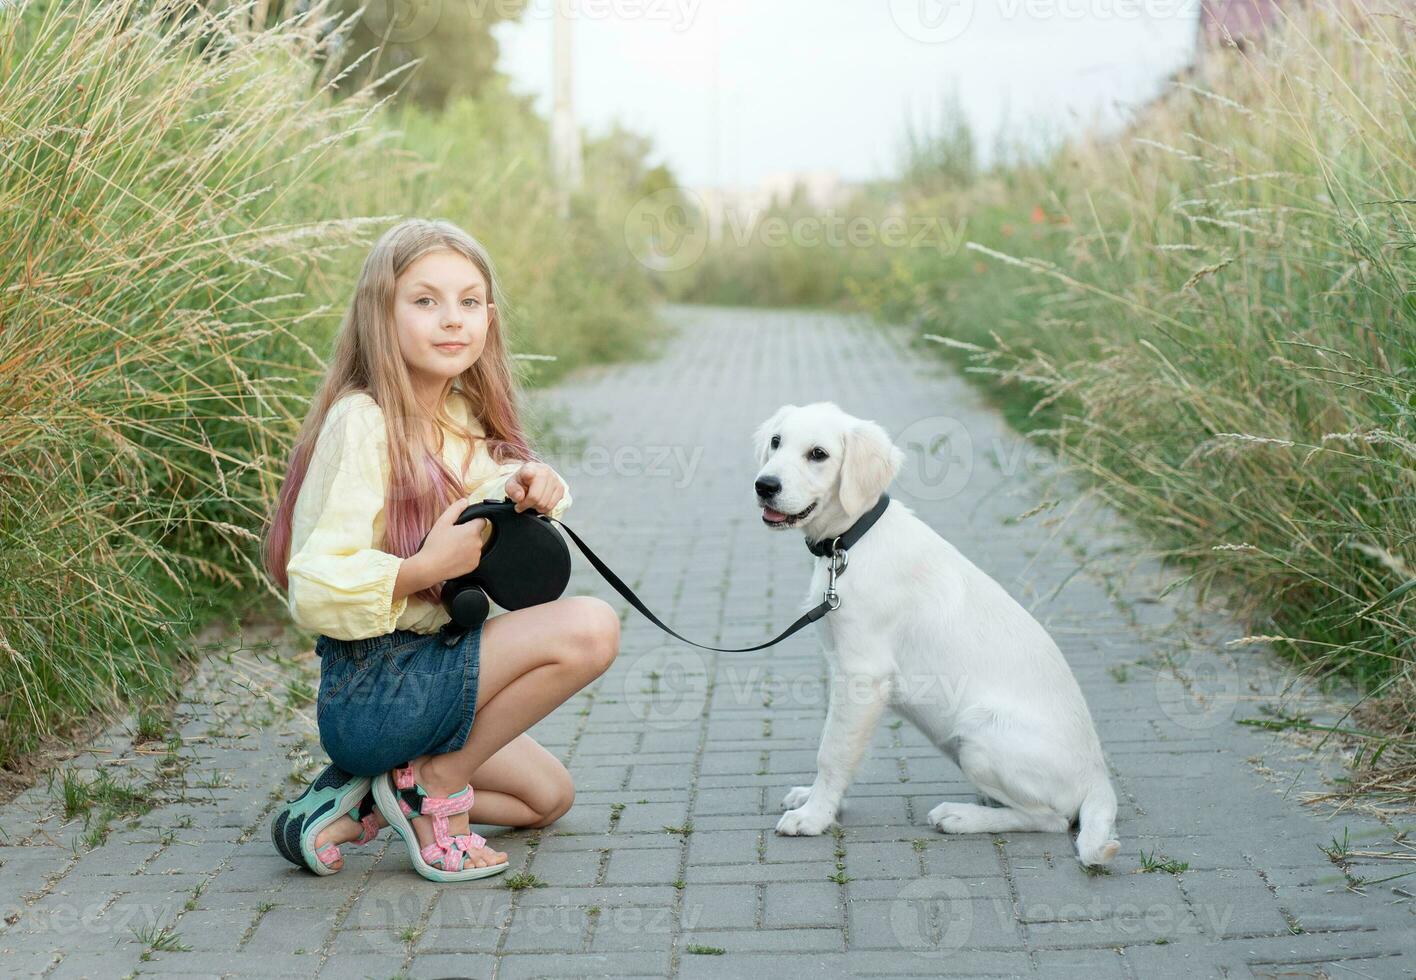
(105, 794)
(100, 801)
(1154, 862)
(152, 725)
(160, 939)
(1339, 850)
(74, 794)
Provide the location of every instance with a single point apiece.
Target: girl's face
(441, 313)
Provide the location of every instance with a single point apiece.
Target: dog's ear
(868, 464)
(762, 438)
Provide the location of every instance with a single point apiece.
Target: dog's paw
(954, 818)
(803, 822)
(795, 797)
(1102, 855)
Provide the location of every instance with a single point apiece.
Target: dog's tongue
(775, 516)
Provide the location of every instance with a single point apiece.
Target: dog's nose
(767, 486)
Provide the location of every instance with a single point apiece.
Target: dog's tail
(1096, 840)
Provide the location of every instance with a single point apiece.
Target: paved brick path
(668, 864)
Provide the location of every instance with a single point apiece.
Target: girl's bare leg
(522, 785)
(532, 661)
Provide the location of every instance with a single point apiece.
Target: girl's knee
(597, 633)
(555, 799)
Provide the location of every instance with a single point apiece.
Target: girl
(416, 418)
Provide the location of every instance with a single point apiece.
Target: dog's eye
(818, 454)
(776, 441)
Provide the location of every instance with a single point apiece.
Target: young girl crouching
(417, 417)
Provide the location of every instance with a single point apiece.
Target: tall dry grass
(184, 201)
(162, 220)
(1213, 316)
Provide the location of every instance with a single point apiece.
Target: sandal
(333, 794)
(400, 798)
(363, 815)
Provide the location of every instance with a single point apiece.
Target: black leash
(833, 548)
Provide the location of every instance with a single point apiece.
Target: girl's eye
(776, 441)
(425, 299)
(471, 301)
(818, 454)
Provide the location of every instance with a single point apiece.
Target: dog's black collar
(854, 533)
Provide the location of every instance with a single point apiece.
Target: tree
(452, 38)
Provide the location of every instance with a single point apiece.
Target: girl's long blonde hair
(367, 359)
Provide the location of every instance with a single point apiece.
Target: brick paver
(668, 864)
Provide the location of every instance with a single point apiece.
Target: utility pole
(718, 196)
(715, 107)
(565, 135)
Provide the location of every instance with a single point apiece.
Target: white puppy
(922, 629)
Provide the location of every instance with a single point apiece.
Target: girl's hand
(536, 486)
(452, 549)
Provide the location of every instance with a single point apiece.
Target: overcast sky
(829, 84)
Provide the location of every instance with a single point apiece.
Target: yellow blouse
(341, 581)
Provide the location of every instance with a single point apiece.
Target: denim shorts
(387, 699)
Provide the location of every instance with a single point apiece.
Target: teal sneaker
(333, 794)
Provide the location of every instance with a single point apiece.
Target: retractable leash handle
(524, 563)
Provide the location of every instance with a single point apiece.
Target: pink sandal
(363, 814)
(401, 798)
